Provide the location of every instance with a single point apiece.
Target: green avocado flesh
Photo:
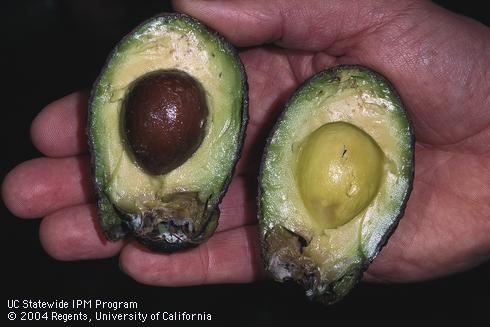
(335, 178)
(177, 208)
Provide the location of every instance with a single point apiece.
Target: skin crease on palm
(438, 61)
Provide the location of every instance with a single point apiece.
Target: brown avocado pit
(164, 120)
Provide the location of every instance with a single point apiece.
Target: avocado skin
(330, 296)
(111, 221)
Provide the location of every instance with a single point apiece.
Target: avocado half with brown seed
(335, 178)
(166, 124)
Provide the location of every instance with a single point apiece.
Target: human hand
(438, 61)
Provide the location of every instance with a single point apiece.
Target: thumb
(296, 24)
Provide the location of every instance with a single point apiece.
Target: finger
(238, 207)
(296, 24)
(228, 257)
(41, 186)
(74, 234)
(59, 129)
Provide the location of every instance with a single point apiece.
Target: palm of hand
(444, 229)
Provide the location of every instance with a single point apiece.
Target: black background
(51, 48)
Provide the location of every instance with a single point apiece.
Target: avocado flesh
(335, 177)
(179, 208)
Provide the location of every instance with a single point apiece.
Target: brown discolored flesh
(178, 221)
(164, 119)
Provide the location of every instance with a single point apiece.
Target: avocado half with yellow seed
(167, 119)
(335, 178)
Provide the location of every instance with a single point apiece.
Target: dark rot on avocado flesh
(164, 121)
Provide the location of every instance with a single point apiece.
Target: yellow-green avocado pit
(178, 208)
(335, 177)
(339, 171)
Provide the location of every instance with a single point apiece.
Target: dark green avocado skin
(331, 296)
(114, 224)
